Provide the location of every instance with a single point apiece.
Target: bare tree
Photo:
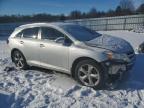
(62, 17)
(92, 13)
(141, 9)
(127, 5)
(75, 14)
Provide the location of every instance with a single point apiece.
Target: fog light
(115, 69)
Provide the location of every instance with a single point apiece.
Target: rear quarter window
(19, 35)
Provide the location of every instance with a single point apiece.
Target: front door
(54, 54)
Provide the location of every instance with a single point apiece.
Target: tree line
(125, 7)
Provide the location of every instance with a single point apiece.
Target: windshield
(80, 33)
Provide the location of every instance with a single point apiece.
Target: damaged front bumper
(117, 70)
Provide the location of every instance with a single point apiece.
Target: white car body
(61, 57)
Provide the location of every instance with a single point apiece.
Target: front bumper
(116, 72)
(117, 69)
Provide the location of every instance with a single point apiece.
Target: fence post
(106, 26)
(124, 25)
(143, 21)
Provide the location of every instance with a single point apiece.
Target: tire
(19, 60)
(92, 75)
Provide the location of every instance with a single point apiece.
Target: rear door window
(30, 33)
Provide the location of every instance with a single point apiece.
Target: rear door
(30, 43)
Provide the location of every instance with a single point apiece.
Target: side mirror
(64, 41)
(67, 42)
(60, 40)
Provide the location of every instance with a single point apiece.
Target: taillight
(7, 41)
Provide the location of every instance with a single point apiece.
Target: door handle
(42, 45)
(21, 42)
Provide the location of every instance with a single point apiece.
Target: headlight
(115, 56)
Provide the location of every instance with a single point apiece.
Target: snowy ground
(40, 88)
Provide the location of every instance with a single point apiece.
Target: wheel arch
(76, 61)
(16, 49)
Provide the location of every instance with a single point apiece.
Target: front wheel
(90, 74)
(19, 60)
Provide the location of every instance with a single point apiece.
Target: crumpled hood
(110, 43)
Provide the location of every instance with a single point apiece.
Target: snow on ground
(139, 29)
(4, 50)
(41, 88)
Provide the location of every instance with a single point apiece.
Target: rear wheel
(90, 74)
(19, 60)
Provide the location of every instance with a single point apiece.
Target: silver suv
(93, 59)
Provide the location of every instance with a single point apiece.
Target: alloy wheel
(89, 75)
(18, 59)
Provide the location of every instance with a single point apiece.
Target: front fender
(76, 53)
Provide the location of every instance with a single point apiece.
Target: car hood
(110, 43)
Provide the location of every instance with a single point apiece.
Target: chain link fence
(97, 24)
(112, 23)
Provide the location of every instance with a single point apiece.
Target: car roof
(57, 24)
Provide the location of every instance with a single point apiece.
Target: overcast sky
(8, 7)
